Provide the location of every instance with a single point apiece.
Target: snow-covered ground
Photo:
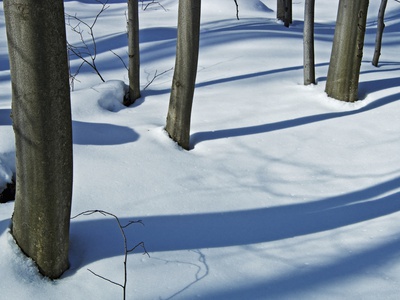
(286, 194)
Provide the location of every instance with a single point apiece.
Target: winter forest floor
(285, 194)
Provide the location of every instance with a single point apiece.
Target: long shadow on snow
(85, 133)
(364, 87)
(216, 33)
(199, 137)
(373, 260)
(96, 239)
(151, 92)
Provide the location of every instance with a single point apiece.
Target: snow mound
(111, 95)
(99, 99)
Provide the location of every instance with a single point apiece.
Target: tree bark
(280, 9)
(284, 11)
(347, 50)
(308, 43)
(41, 116)
(183, 83)
(133, 52)
(379, 33)
(288, 13)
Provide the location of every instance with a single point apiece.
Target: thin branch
(85, 49)
(153, 2)
(141, 244)
(237, 9)
(120, 58)
(155, 77)
(126, 250)
(106, 279)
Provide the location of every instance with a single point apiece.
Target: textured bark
(379, 33)
(347, 50)
(133, 52)
(41, 116)
(308, 43)
(183, 83)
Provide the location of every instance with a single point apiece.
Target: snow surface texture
(286, 194)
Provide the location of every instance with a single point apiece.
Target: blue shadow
(85, 133)
(5, 119)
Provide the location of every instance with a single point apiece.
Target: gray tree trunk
(280, 9)
(183, 83)
(347, 50)
(284, 11)
(133, 52)
(379, 33)
(41, 116)
(308, 43)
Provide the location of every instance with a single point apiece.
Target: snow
(285, 194)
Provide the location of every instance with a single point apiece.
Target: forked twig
(126, 250)
(87, 51)
(155, 77)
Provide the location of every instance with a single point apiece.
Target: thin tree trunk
(280, 9)
(183, 83)
(133, 52)
(347, 50)
(288, 13)
(308, 43)
(379, 33)
(41, 116)
(284, 11)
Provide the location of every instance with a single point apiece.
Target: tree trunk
(379, 33)
(280, 9)
(41, 116)
(183, 83)
(284, 11)
(288, 13)
(347, 50)
(133, 52)
(308, 43)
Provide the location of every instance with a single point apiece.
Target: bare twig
(120, 58)
(155, 77)
(150, 3)
(106, 279)
(237, 9)
(87, 51)
(126, 250)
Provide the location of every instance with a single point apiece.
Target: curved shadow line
(289, 285)
(93, 240)
(199, 137)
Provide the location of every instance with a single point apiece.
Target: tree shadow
(4, 62)
(5, 119)
(199, 137)
(290, 285)
(93, 240)
(4, 225)
(85, 133)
